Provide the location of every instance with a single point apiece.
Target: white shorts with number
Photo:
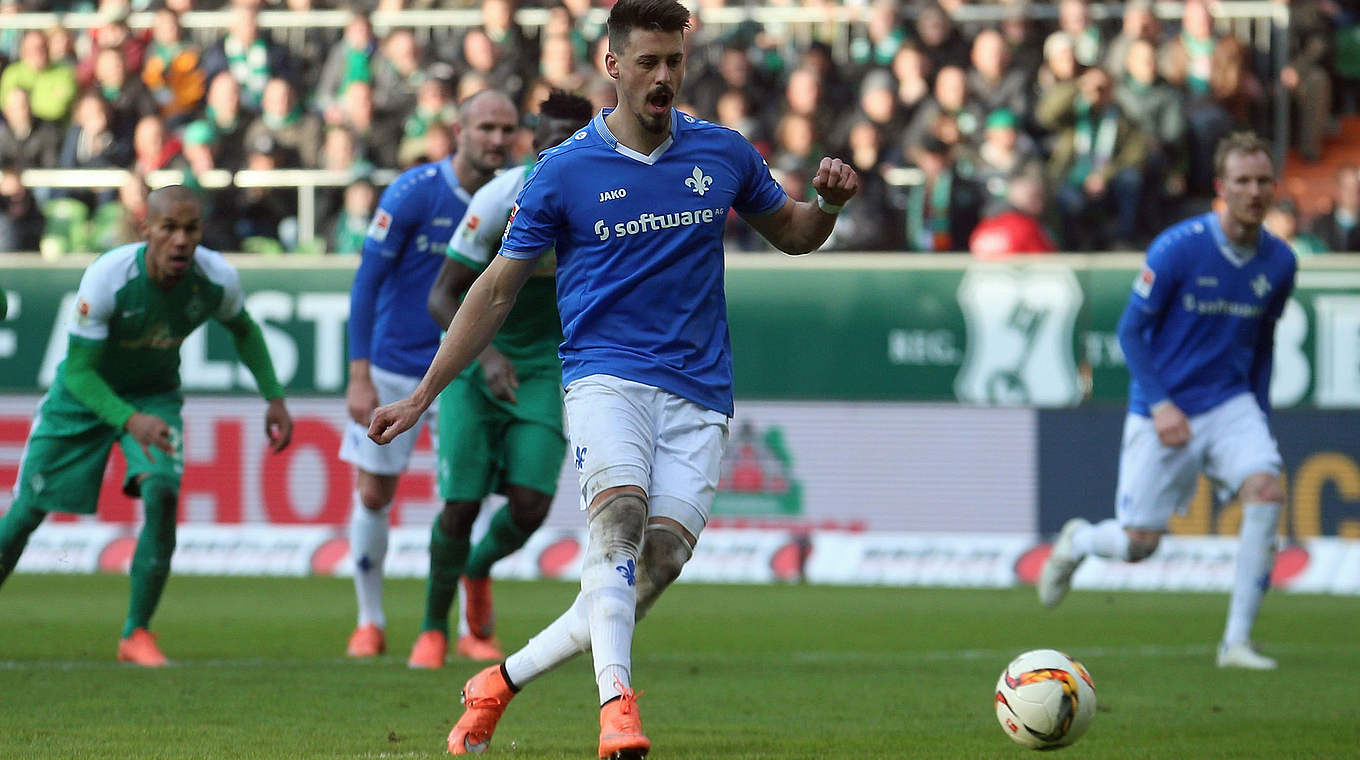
(626, 433)
(1228, 443)
(360, 450)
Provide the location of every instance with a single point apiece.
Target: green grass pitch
(728, 672)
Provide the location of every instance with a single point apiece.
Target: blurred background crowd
(1062, 126)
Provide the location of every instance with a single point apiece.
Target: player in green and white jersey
(500, 422)
(120, 384)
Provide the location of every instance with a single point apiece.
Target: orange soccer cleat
(477, 606)
(366, 641)
(140, 649)
(477, 648)
(429, 651)
(621, 736)
(485, 696)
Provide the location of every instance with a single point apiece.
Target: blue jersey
(1199, 326)
(403, 251)
(639, 251)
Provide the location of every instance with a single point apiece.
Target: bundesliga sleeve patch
(82, 312)
(513, 210)
(382, 222)
(1143, 285)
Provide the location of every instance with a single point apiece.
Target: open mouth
(659, 102)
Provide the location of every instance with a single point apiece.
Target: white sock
(1255, 560)
(368, 548)
(1106, 538)
(563, 639)
(608, 588)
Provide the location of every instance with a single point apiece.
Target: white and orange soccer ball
(1045, 699)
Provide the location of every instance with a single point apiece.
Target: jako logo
(613, 195)
(649, 222)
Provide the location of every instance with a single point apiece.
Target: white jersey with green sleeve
(143, 325)
(532, 331)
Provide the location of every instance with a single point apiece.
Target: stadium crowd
(1025, 135)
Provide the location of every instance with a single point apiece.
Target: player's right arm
(384, 245)
(1153, 290)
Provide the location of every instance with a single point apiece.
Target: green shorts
(63, 462)
(486, 444)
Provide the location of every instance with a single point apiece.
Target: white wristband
(829, 208)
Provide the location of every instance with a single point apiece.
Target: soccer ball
(1045, 699)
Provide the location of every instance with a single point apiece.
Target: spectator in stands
(913, 73)
(1074, 20)
(557, 68)
(172, 72)
(266, 217)
(1023, 40)
(378, 138)
(435, 144)
(1095, 163)
(129, 100)
(61, 46)
(882, 35)
(938, 38)
(797, 151)
(199, 148)
(1233, 102)
(21, 222)
(874, 224)
(350, 226)
(113, 32)
(228, 121)
(804, 96)
(118, 221)
(398, 73)
(249, 55)
(992, 82)
(1139, 23)
(943, 209)
(949, 114)
(838, 90)
(26, 142)
(434, 109)
(1339, 229)
(733, 72)
(90, 142)
(1158, 110)
(1005, 152)
(339, 153)
(349, 61)
(1016, 228)
(1060, 65)
(152, 148)
(734, 110)
(51, 86)
(1308, 76)
(296, 132)
(500, 49)
(877, 103)
(1283, 220)
(307, 45)
(10, 36)
(1187, 59)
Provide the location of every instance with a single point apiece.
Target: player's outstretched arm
(800, 227)
(488, 301)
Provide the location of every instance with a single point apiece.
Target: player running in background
(119, 383)
(391, 336)
(1198, 334)
(634, 206)
(500, 421)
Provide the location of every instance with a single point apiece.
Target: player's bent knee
(1142, 545)
(1262, 487)
(617, 522)
(457, 517)
(664, 554)
(376, 491)
(528, 507)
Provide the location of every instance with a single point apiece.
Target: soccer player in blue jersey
(1198, 335)
(634, 207)
(392, 338)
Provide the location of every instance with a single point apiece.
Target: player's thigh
(1155, 481)
(166, 406)
(390, 459)
(468, 455)
(533, 454)
(1238, 443)
(62, 466)
(687, 463)
(611, 433)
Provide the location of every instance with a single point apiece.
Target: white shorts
(1228, 443)
(360, 450)
(626, 433)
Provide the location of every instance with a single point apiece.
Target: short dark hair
(653, 15)
(564, 105)
(1239, 143)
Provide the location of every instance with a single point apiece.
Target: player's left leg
(150, 568)
(15, 528)
(449, 541)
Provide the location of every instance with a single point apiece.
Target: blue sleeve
(384, 243)
(1153, 289)
(537, 216)
(760, 193)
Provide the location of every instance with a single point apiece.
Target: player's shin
(664, 554)
(563, 639)
(368, 547)
(608, 583)
(447, 556)
(1255, 560)
(502, 538)
(155, 546)
(15, 528)
(1106, 538)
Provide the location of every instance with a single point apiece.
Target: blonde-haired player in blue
(119, 383)
(1198, 335)
(634, 206)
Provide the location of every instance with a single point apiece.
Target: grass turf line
(768, 672)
